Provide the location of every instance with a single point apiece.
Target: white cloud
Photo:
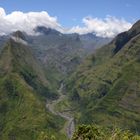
(19, 40)
(2, 12)
(17, 20)
(26, 21)
(108, 27)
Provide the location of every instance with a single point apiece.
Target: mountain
(59, 53)
(23, 92)
(101, 88)
(91, 42)
(62, 53)
(105, 88)
(46, 31)
(31, 68)
(3, 39)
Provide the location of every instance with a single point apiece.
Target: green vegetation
(23, 89)
(105, 88)
(94, 132)
(22, 114)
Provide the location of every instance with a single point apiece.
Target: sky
(81, 16)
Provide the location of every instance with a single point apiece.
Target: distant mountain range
(59, 53)
(63, 52)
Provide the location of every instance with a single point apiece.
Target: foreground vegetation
(94, 132)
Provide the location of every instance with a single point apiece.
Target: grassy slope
(22, 110)
(107, 85)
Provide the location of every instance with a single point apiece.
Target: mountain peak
(19, 37)
(19, 34)
(124, 37)
(137, 24)
(45, 31)
(19, 58)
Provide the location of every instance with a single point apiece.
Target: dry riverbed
(70, 126)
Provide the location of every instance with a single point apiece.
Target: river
(70, 126)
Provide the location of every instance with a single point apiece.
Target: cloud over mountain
(108, 27)
(25, 21)
(17, 20)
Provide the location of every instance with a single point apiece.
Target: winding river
(70, 126)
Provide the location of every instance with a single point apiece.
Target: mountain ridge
(23, 93)
(104, 84)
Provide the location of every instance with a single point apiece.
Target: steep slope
(3, 39)
(23, 89)
(106, 87)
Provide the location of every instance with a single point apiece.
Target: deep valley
(56, 86)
